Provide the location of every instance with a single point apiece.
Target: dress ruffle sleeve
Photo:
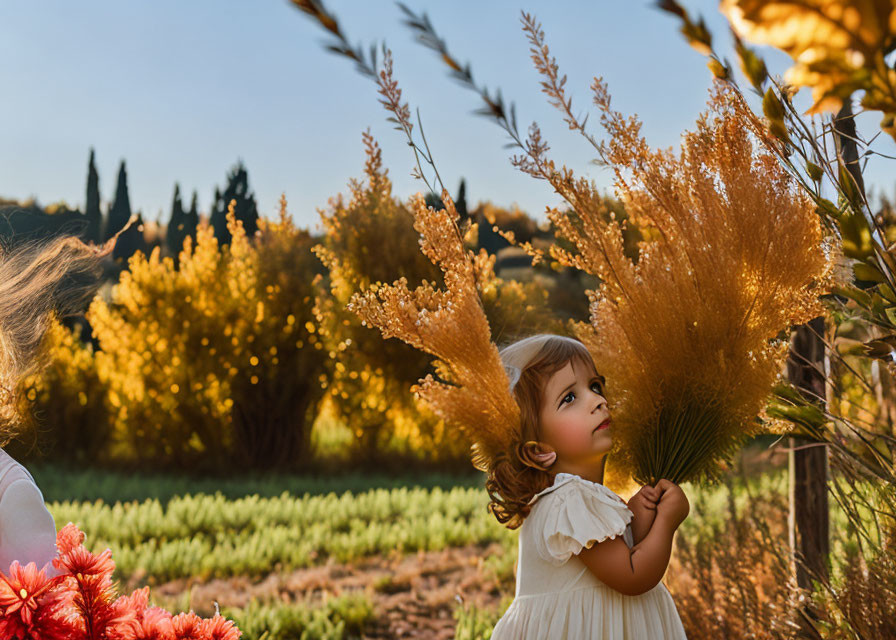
(575, 515)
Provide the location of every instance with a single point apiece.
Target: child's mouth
(603, 425)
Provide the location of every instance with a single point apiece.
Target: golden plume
(473, 391)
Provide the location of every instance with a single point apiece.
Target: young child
(37, 279)
(590, 565)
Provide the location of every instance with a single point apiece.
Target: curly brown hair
(516, 477)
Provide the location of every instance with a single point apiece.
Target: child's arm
(639, 569)
(27, 530)
(643, 508)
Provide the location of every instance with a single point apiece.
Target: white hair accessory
(517, 356)
(513, 374)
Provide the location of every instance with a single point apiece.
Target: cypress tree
(246, 208)
(460, 203)
(120, 212)
(191, 219)
(92, 232)
(176, 232)
(434, 200)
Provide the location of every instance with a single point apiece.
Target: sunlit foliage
(219, 361)
(838, 46)
(471, 391)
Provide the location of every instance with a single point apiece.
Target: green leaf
(787, 391)
(779, 130)
(850, 347)
(698, 35)
(771, 105)
(856, 237)
(849, 187)
(807, 415)
(887, 292)
(815, 172)
(827, 208)
(719, 70)
(788, 403)
(855, 294)
(890, 312)
(753, 67)
(865, 271)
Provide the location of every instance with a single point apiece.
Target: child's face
(573, 407)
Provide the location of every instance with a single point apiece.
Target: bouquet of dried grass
(692, 337)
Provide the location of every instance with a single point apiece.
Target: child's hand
(644, 502)
(673, 504)
(643, 508)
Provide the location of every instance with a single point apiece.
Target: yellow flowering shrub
(217, 363)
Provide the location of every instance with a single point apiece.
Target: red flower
(220, 628)
(156, 625)
(136, 602)
(55, 618)
(152, 623)
(20, 591)
(80, 560)
(127, 612)
(13, 628)
(187, 626)
(69, 537)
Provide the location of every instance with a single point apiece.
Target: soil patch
(413, 595)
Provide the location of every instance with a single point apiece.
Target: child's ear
(537, 455)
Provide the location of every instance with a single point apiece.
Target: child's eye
(594, 384)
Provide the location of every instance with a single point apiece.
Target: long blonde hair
(39, 278)
(516, 477)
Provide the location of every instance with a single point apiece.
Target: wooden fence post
(807, 369)
(808, 465)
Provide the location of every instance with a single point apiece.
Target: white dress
(556, 594)
(27, 529)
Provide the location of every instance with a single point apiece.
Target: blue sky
(182, 90)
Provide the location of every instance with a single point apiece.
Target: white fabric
(27, 529)
(556, 594)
